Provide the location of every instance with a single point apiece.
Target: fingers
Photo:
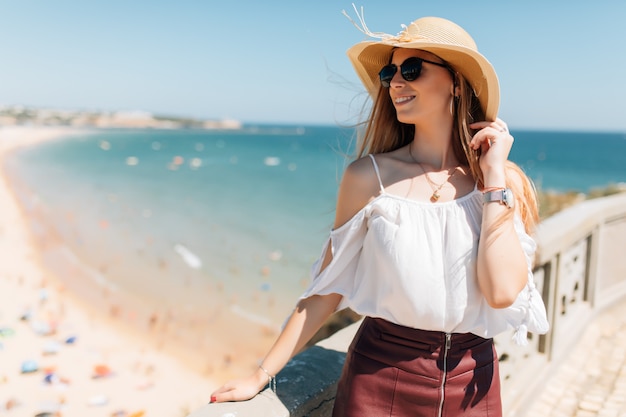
(234, 391)
(498, 125)
(489, 133)
(221, 394)
(222, 397)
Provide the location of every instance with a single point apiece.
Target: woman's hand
(240, 389)
(304, 322)
(495, 142)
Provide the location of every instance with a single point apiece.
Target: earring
(453, 101)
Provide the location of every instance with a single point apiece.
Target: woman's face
(427, 98)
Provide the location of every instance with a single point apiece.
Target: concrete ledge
(264, 404)
(570, 225)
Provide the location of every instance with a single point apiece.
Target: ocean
(221, 227)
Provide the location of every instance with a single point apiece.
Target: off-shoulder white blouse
(414, 264)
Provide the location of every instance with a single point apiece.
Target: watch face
(509, 199)
(504, 197)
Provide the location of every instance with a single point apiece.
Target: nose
(397, 79)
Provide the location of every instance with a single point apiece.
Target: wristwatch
(504, 197)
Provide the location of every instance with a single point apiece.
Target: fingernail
(213, 398)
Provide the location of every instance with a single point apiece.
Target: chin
(406, 120)
(413, 119)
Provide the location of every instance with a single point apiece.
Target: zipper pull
(448, 340)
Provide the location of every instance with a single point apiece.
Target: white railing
(580, 269)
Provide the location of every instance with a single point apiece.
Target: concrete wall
(581, 270)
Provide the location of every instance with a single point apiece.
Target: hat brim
(369, 57)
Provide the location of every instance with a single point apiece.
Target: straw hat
(439, 36)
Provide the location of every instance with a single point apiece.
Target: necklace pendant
(434, 197)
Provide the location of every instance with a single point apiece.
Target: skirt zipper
(445, 372)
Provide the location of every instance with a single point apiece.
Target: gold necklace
(435, 187)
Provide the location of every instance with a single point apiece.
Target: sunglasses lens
(386, 74)
(411, 69)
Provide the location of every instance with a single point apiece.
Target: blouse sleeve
(345, 244)
(528, 312)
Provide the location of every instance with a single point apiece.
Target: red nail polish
(213, 398)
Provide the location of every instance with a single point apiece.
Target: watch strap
(503, 196)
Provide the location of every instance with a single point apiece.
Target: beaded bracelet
(271, 380)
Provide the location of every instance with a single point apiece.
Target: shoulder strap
(380, 182)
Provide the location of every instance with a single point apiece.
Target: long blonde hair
(384, 133)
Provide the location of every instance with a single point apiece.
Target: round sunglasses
(410, 70)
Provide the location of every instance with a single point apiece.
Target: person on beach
(431, 241)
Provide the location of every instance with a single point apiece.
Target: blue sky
(561, 64)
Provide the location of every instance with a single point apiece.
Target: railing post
(550, 273)
(593, 266)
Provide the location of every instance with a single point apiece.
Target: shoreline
(57, 353)
(214, 336)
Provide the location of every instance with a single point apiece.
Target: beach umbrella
(29, 366)
(6, 332)
(101, 371)
(51, 348)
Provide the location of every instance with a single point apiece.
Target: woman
(431, 238)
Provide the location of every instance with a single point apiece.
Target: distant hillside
(20, 115)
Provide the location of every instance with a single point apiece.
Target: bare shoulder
(361, 168)
(359, 185)
(390, 157)
(361, 173)
(360, 179)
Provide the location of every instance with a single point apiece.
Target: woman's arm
(357, 187)
(502, 270)
(303, 323)
(501, 265)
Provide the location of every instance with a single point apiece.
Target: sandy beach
(61, 358)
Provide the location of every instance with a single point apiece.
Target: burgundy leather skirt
(392, 370)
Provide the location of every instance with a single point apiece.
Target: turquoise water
(233, 219)
(577, 161)
(162, 213)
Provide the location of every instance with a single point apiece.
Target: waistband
(422, 339)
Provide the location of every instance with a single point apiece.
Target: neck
(434, 148)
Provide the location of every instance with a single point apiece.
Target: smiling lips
(403, 99)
